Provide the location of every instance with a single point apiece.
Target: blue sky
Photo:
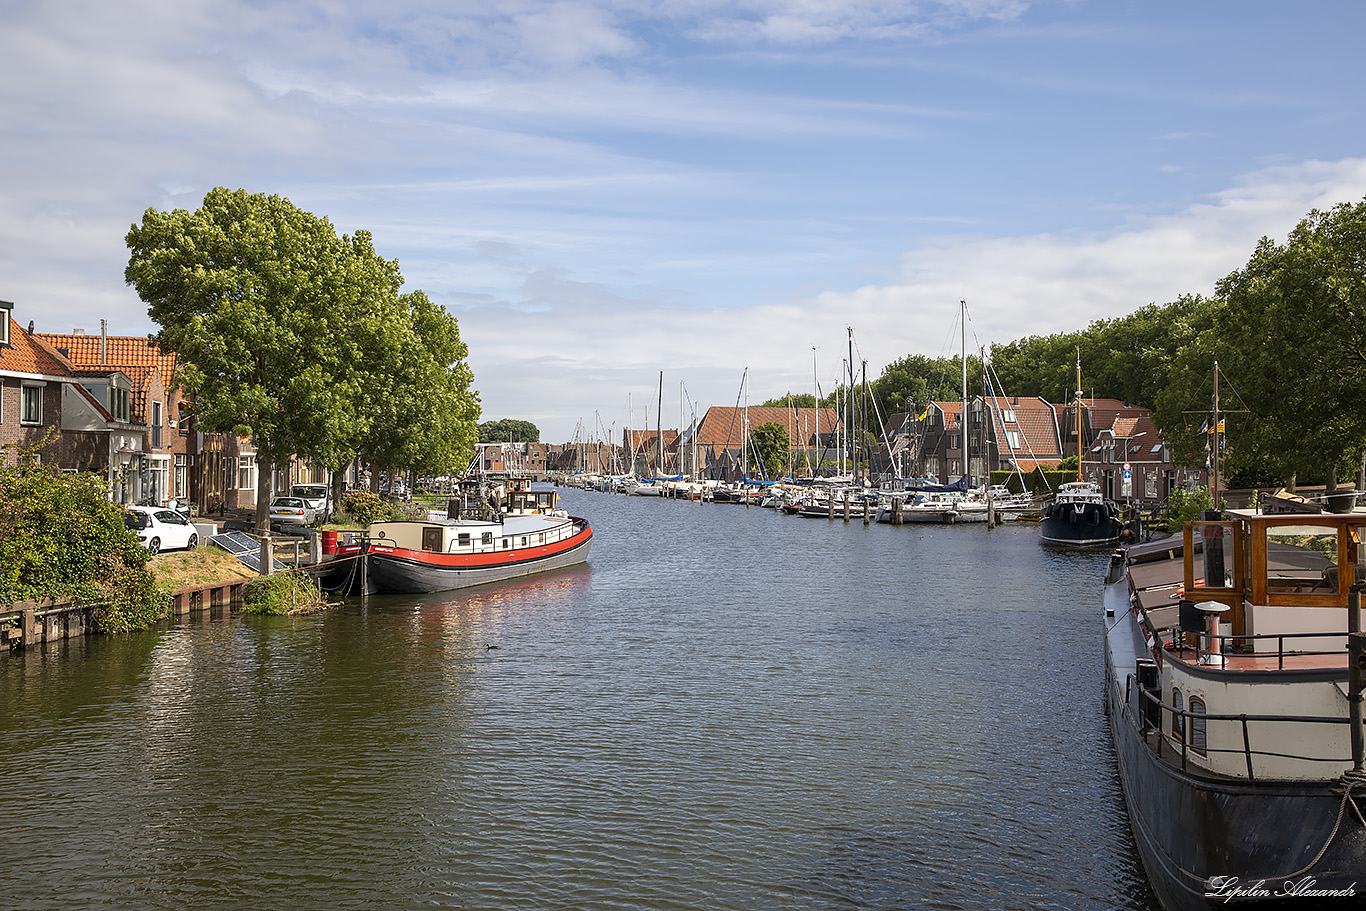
(603, 190)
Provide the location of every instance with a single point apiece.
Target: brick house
(86, 415)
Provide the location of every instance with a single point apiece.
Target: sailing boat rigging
(1080, 516)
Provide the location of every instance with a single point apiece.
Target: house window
(118, 403)
(1013, 439)
(1008, 416)
(1198, 725)
(160, 473)
(183, 418)
(1178, 722)
(246, 472)
(31, 405)
(182, 476)
(4, 324)
(156, 425)
(1150, 484)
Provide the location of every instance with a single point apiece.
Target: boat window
(486, 538)
(463, 539)
(507, 542)
(1198, 725)
(540, 539)
(524, 540)
(1178, 722)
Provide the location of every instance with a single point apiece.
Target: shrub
(364, 507)
(281, 593)
(1187, 506)
(60, 537)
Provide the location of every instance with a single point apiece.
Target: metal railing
(1167, 714)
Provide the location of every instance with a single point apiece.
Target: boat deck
(1289, 661)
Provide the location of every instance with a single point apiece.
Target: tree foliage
(61, 537)
(772, 446)
(509, 430)
(298, 337)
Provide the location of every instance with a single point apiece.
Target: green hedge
(1037, 482)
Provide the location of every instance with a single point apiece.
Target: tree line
(1287, 332)
(302, 339)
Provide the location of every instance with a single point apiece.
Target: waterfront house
(812, 434)
(85, 416)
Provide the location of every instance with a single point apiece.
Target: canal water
(727, 708)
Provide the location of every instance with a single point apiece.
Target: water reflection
(725, 708)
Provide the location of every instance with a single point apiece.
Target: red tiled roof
(1034, 420)
(27, 354)
(725, 426)
(134, 355)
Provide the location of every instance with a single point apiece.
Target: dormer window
(1008, 416)
(5, 308)
(118, 403)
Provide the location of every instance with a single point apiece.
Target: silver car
(291, 511)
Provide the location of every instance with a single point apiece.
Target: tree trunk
(264, 469)
(1332, 482)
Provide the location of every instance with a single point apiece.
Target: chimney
(104, 343)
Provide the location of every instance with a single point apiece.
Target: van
(317, 497)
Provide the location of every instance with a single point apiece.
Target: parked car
(397, 489)
(290, 511)
(317, 497)
(159, 528)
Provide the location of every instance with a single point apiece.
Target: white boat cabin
(474, 536)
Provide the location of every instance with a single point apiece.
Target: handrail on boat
(1243, 719)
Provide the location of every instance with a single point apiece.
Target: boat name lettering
(1228, 888)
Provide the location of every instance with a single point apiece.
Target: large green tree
(509, 430)
(1291, 339)
(284, 330)
(421, 414)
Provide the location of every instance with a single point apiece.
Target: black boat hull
(1208, 843)
(1080, 525)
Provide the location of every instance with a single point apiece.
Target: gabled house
(1021, 433)
(721, 433)
(1131, 443)
(85, 416)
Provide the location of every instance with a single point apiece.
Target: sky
(601, 191)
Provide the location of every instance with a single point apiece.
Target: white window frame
(1013, 440)
(31, 392)
(181, 478)
(246, 472)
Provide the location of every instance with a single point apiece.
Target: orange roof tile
(134, 355)
(26, 354)
(723, 425)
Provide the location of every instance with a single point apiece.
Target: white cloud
(606, 346)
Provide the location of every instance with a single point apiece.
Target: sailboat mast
(849, 407)
(1078, 413)
(963, 356)
(1215, 459)
(659, 427)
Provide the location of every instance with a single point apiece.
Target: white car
(159, 528)
(317, 497)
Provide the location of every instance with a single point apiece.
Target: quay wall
(30, 623)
